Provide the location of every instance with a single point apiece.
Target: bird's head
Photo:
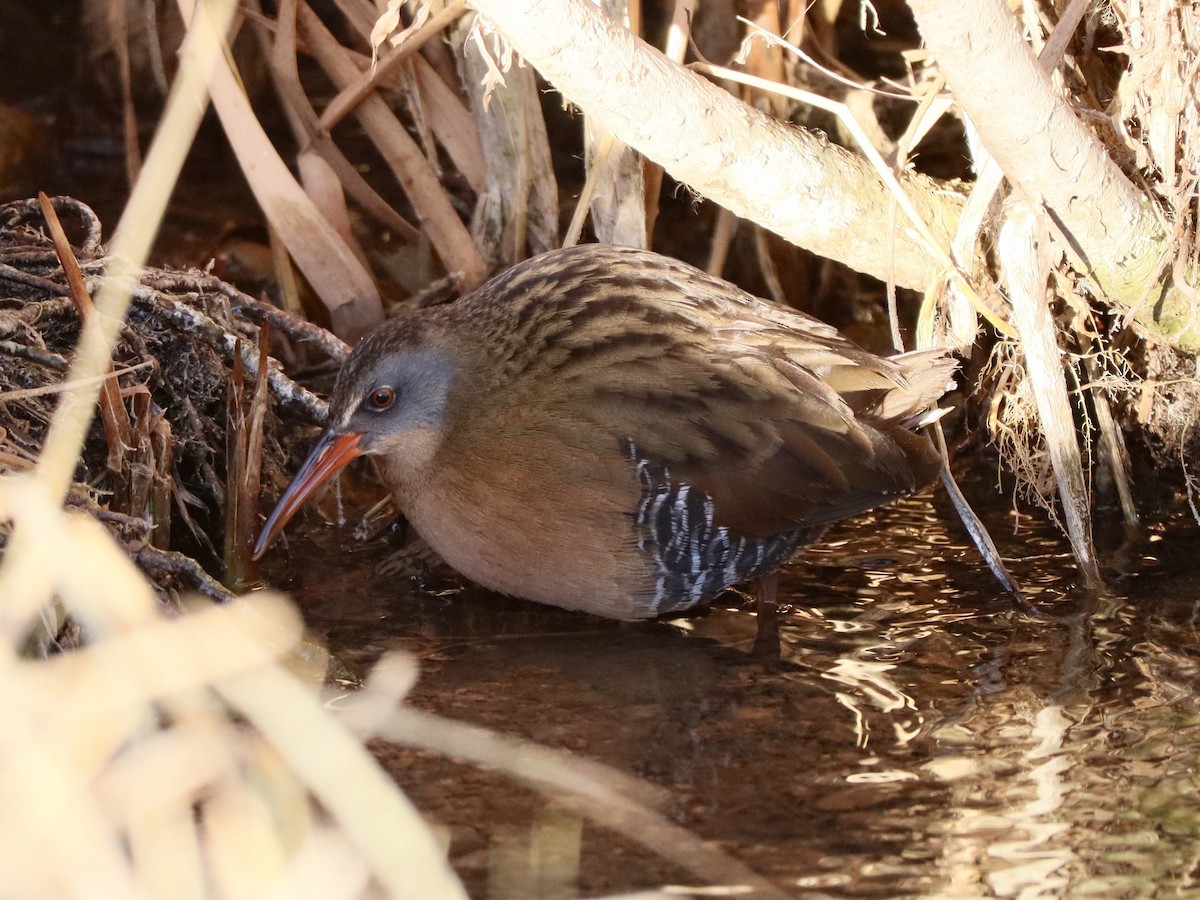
(389, 400)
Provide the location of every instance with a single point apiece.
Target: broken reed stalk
(150, 467)
(117, 427)
(244, 438)
(139, 448)
(517, 210)
(616, 180)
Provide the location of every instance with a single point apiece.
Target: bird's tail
(928, 374)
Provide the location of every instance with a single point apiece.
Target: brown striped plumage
(607, 429)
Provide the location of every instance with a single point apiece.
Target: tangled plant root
(174, 364)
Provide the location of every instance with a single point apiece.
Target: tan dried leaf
(498, 57)
(389, 21)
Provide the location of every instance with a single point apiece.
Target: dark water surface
(919, 737)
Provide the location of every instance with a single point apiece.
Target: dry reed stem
(118, 27)
(980, 536)
(616, 185)
(450, 121)
(599, 150)
(339, 279)
(450, 238)
(313, 137)
(618, 200)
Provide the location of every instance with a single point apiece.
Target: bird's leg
(766, 642)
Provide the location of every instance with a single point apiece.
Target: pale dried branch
(790, 181)
(1112, 228)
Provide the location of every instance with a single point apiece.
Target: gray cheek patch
(427, 376)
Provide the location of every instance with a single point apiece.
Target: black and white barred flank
(696, 558)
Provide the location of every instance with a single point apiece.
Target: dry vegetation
(145, 750)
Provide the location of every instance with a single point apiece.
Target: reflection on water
(918, 737)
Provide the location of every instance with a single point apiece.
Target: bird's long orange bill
(332, 453)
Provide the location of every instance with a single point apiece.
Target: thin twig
(172, 563)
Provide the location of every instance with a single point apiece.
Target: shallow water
(918, 737)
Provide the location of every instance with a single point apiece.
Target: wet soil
(918, 737)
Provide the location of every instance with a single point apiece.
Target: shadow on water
(918, 737)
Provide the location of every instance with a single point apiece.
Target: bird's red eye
(381, 398)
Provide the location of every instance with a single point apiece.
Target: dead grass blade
(118, 28)
(980, 536)
(450, 121)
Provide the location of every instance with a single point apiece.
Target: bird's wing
(779, 419)
(783, 422)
